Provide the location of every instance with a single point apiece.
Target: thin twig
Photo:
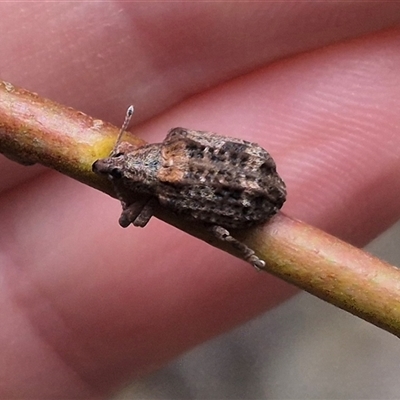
(37, 130)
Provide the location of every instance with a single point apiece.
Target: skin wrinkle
(31, 301)
(19, 291)
(51, 324)
(118, 297)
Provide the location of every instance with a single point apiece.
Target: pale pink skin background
(85, 304)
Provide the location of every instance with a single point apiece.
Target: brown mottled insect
(221, 182)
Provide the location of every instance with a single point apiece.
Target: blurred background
(303, 349)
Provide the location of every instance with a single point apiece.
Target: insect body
(223, 183)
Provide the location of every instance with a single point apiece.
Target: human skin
(86, 305)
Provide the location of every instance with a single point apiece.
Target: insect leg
(247, 253)
(146, 213)
(137, 213)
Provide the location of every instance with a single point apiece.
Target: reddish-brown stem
(36, 130)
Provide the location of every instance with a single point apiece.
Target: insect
(220, 182)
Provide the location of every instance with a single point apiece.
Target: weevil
(220, 182)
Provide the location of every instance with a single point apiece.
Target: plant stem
(37, 130)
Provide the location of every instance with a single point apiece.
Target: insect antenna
(128, 117)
